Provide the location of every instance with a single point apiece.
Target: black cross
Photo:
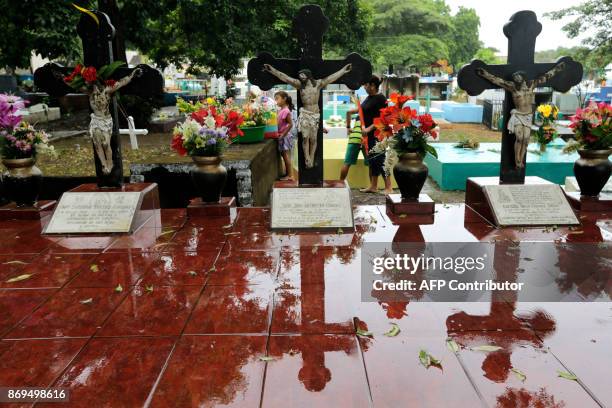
(521, 30)
(309, 25)
(98, 51)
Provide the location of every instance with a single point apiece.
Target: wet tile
(48, 270)
(11, 264)
(161, 311)
(69, 313)
(500, 386)
(315, 371)
(180, 268)
(245, 268)
(398, 379)
(36, 363)
(144, 240)
(479, 316)
(82, 244)
(115, 372)
(207, 371)
(253, 217)
(313, 310)
(17, 304)
(414, 318)
(25, 242)
(232, 309)
(173, 218)
(193, 238)
(111, 269)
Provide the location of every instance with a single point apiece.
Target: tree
(489, 55)
(592, 16)
(45, 27)
(594, 63)
(464, 37)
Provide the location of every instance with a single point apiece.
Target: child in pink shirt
(285, 124)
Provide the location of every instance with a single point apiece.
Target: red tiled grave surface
(223, 312)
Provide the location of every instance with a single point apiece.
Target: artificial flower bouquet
(208, 130)
(83, 76)
(592, 127)
(19, 139)
(401, 130)
(255, 115)
(546, 115)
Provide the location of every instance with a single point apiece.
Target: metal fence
(492, 113)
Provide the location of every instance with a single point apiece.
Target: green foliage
(417, 33)
(43, 26)
(488, 55)
(594, 62)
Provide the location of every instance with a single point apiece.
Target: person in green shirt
(354, 145)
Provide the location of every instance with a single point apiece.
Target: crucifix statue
(519, 78)
(309, 74)
(309, 116)
(97, 34)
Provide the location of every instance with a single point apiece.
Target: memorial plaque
(311, 208)
(96, 212)
(529, 204)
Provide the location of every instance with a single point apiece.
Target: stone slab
(603, 203)
(40, 210)
(225, 207)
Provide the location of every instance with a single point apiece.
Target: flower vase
(410, 174)
(592, 171)
(22, 181)
(209, 177)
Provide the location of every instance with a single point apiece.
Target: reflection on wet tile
(207, 371)
(232, 309)
(315, 371)
(180, 268)
(69, 313)
(152, 311)
(245, 268)
(36, 363)
(115, 372)
(111, 269)
(17, 304)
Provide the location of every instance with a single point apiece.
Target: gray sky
(495, 13)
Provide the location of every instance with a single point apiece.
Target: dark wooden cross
(309, 25)
(97, 37)
(521, 30)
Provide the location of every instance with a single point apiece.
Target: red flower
(399, 99)
(426, 121)
(232, 122)
(110, 82)
(90, 74)
(383, 130)
(177, 144)
(69, 78)
(199, 116)
(77, 70)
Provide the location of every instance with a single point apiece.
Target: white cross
(132, 131)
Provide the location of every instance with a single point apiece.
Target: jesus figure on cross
(309, 115)
(523, 97)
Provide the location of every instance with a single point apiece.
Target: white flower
(210, 122)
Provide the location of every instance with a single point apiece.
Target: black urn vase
(22, 181)
(209, 177)
(592, 171)
(410, 174)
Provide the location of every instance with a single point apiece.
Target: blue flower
(406, 135)
(416, 123)
(211, 141)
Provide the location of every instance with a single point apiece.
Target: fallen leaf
(363, 333)
(94, 268)
(193, 273)
(340, 231)
(394, 331)
(528, 259)
(86, 301)
(166, 233)
(119, 288)
(452, 345)
(227, 226)
(266, 358)
(566, 375)
(486, 348)
(519, 374)
(19, 278)
(149, 289)
(427, 359)
(314, 249)
(15, 263)
(212, 269)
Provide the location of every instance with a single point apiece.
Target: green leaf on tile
(94, 268)
(519, 374)
(394, 331)
(15, 263)
(486, 348)
(340, 231)
(119, 288)
(149, 288)
(86, 301)
(566, 375)
(452, 345)
(19, 278)
(428, 360)
(166, 233)
(193, 273)
(403, 215)
(266, 358)
(363, 333)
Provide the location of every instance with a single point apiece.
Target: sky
(495, 13)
